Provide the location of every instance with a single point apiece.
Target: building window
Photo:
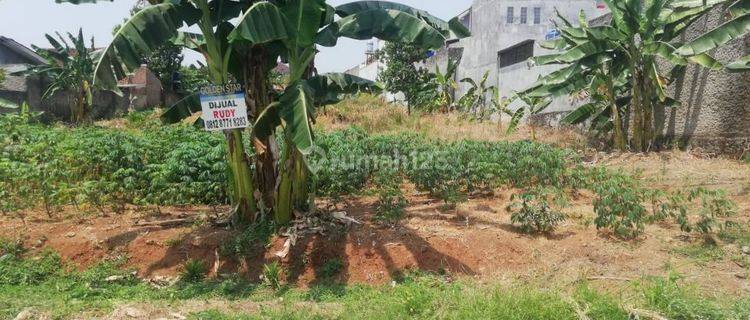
(509, 17)
(516, 54)
(537, 15)
(524, 13)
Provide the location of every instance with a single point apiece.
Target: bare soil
(475, 239)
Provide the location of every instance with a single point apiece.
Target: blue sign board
(552, 34)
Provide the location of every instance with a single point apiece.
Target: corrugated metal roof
(22, 50)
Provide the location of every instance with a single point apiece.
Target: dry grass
(680, 169)
(378, 117)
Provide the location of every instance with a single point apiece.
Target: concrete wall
(57, 107)
(715, 111)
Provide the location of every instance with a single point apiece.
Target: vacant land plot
(387, 242)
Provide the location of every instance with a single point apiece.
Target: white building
(505, 34)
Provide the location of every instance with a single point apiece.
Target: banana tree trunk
(648, 111)
(637, 101)
(283, 210)
(257, 88)
(241, 178)
(293, 190)
(619, 138)
(79, 107)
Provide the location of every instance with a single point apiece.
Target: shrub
(339, 166)
(194, 271)
(55, 166)
(12, 248)
(331, 269)
(679, 205)
(534, 214)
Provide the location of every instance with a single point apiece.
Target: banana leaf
(743, 64)
(262, 23)
(722, 34)
(331, 87)
(145, 32)
(582, 113)
(182, 109)
(451, 29)
(388, 25)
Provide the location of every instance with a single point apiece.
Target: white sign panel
(224, 107)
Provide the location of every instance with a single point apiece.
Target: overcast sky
(26, 21)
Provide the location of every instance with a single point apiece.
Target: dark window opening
(537, 15)
(509, 17)
(524, 14)
(516, 54)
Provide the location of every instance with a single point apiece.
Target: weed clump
(194, 271)
(331, 269)
(271, 276)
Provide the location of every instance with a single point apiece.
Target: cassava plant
(533, 213)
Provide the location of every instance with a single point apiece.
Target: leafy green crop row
(176, 165)
(53, 166)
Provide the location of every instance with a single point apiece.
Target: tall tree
(400, 73)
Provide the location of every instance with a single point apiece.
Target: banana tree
(619, 62)
(476, 98)
(262, 32)
(159, 23)
(70, 67)
(296, 106)
(443, 85)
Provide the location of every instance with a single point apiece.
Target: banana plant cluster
(618, 65)
(69, 67)
(441, 87)
(476, 101)
(242, 40)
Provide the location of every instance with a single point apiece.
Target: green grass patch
(47, 285)
(701, 253)
(679, 301)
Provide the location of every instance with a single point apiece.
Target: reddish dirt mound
(475, 239)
